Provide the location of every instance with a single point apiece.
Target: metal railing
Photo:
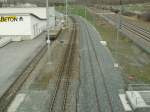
(139, 87)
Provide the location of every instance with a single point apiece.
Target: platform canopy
(86, 2)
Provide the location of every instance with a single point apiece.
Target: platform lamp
(48, 32)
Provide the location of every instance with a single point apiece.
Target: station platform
(14, 59)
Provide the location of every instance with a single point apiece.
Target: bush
(144, 16)
(129, 14)
(115, 10)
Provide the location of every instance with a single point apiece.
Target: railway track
(58, 101)
(93, 76)
(89, 42)
(102, 74)
(11, 92)
(140, 32)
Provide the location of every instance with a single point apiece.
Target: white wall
(16, 28)
(30, 26)
(37, 26)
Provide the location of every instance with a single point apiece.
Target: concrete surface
(15, 57)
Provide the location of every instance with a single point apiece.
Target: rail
(63, 76)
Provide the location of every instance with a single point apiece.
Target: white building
(24, 23)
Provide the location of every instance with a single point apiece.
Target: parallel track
(11, 92)
(140, 32)
(63, 77)
(90, 42)
(93, 75)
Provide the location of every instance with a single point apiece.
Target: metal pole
(48, 33)
(119, 21)
(85, 12)
(119, 24)
(66, 12)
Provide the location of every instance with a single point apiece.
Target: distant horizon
(86, 2)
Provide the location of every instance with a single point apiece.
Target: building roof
(39, 12)
(22, 14)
